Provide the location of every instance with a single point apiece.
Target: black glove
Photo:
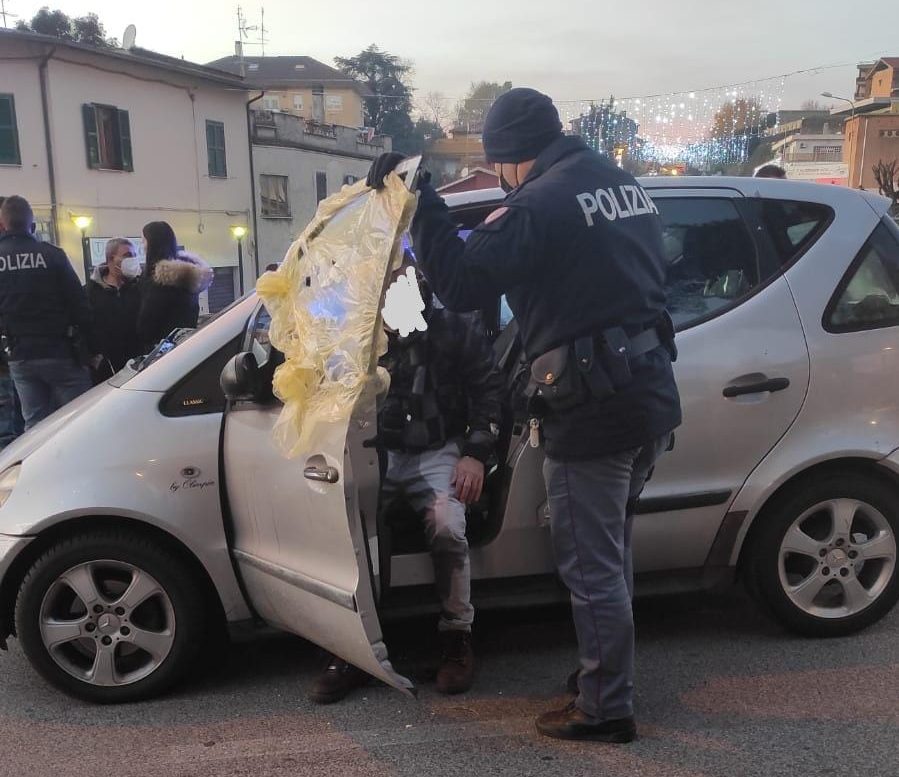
(383, 166)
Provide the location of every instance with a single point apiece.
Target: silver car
(139, 521)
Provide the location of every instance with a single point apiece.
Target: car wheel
(110, 617)
(824, 559)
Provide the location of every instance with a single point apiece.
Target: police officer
(576, 247)
(437, 425)
(43, 312)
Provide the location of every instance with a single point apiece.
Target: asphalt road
(721, 691)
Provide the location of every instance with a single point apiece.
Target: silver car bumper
(10, 547)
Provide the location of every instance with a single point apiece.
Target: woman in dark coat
(170, 286)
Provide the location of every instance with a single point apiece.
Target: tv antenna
(6, 14)
(245, 29)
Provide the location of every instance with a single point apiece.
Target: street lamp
(239, 232)
(842, 99)
(83, 223)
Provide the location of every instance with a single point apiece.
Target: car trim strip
(331, 593)
(667, 504)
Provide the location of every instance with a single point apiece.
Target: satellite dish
(128, 37)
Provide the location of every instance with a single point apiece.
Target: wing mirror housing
(241, 380)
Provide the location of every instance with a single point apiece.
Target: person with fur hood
(170, 287)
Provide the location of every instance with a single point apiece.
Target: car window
(259, 342)
(712, 257)
(793, 226)
(868, 297)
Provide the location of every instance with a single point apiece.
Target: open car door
(301, 486)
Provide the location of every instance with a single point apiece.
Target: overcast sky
(572, 49)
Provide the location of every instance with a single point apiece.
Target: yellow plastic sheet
(325, 302)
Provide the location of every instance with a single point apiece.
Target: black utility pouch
(556, 381)
(592, 371)
(616, 356)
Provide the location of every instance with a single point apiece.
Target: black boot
(336, 681)
(456, 673)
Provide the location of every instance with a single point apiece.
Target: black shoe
(456, 673)
(571, 723)
(336, 682)
(571, 683)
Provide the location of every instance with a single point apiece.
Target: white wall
(300, 167)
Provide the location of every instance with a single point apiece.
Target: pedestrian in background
(44, 315)
(170, 286)
(114, 295)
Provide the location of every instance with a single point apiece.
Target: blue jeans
(591, 517)
(45, 385)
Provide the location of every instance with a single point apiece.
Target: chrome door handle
(768, 384)
(322, 475)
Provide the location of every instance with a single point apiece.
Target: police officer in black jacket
(43, 313)
(576, 247)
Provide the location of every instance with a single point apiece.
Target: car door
(742, 371)
(300, 527)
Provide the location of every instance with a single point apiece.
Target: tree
(887, 176)
(435, 108)
(738, 117)
(812, 105)
(472, 111)
(83, 29)
(385, 75)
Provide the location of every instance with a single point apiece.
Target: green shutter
(215, 149)
(125, 140)
(91, 136)
(210, 148)
(9, 133)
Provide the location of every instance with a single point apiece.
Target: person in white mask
(114, 297)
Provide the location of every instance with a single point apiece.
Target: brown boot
(336, 681)
(456, 672)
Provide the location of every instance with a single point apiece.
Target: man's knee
(447, 524)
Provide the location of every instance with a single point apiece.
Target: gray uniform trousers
(591, 532)
(424, 480)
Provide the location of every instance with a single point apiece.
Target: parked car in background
(156, 507)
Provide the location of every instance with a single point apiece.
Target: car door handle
(322, 474)
(759, 387)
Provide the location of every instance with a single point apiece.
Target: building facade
(299, 163)
(115, 139)
(301, 86)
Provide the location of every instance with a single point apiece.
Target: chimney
(238, 49)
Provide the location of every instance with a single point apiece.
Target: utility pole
(6, 14)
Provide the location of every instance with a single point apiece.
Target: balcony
(273, 128)
(815, 156)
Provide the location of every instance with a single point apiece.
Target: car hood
(33, 439)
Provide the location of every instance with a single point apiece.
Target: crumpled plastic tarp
(325, 301)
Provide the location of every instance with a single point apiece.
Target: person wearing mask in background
(577, 249)
(170, 286)
(771, 171)
(114, 295)
(43, 314)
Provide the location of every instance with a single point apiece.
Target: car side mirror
(240, 380)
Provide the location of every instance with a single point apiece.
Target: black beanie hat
(521, 123)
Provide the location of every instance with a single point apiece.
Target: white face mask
(131, 267)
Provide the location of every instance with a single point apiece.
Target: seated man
(438, 425)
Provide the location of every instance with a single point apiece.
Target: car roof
(829, 194)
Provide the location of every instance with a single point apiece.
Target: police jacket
(115, 310)
(576, 249)
(444, 386)
(169, 299)
(42, 303)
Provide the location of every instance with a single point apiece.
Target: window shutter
(125, 141)
(91, 136)
(210, 148)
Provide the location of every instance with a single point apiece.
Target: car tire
(111, 617)
(824, 558)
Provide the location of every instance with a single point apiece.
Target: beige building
(301, 86)
(123, 138)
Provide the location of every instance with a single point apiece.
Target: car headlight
(8, 480)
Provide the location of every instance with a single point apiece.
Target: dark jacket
(41, 299)
(456, 395)
(577, 249)
(115, 310)
(169, 300)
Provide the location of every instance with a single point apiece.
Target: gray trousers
(423, 479)
(591, 531)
